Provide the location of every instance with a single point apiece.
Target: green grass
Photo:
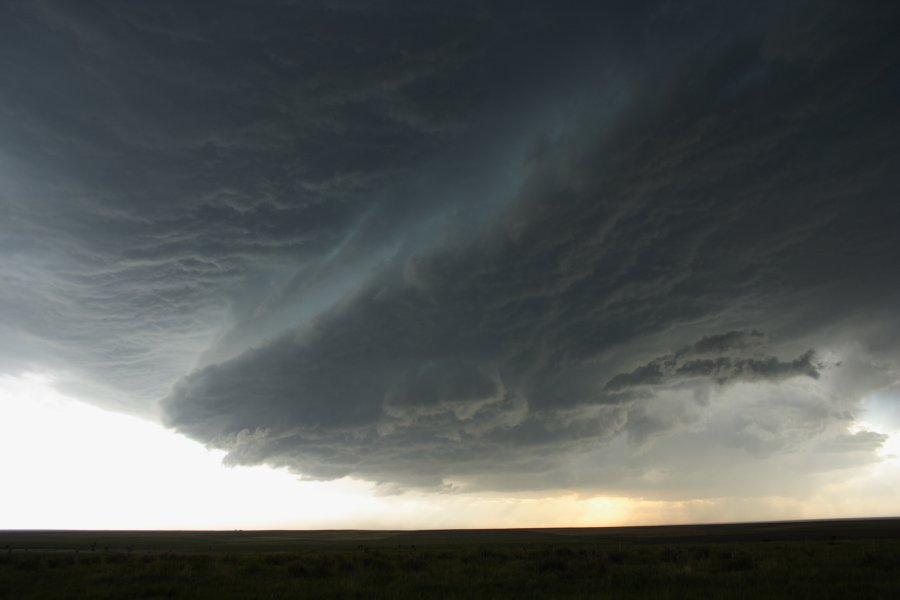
(469, 565)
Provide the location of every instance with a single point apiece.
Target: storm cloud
(494, 245)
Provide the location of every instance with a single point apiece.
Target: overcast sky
(458, 251)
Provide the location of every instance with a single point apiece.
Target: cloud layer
(481, 247)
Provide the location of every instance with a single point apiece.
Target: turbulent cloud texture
(724, 358)
(480, 245)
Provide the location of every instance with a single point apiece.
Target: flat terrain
(802, 559)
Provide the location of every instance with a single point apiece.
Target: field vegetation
(824, 560)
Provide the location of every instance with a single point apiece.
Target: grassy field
(824, 559)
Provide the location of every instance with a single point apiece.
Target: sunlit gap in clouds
(881, 414)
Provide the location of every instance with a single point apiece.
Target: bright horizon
(164, 481)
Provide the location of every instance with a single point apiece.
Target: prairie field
(823, 559)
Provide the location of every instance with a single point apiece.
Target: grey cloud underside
(170, 171)
(513, 248)
(517, 345)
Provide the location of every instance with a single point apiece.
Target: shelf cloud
(486, 246)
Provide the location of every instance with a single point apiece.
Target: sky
(346, 264)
